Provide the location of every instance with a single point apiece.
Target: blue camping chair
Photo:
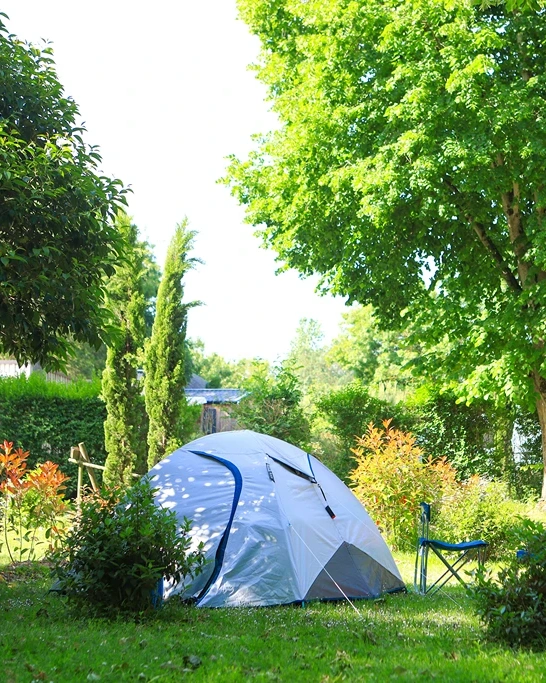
(465, 552)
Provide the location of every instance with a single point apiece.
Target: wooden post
(75, 456)
(80, 457)
(85, 458)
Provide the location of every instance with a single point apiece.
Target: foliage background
(47, 418)
(273, 406)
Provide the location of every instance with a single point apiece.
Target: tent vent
(294, 470)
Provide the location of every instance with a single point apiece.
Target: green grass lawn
(401, 638)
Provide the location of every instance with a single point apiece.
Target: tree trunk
(540, 385)
(504, 452)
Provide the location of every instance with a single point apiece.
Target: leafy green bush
(273, 406)
(479, 509)
(462, 433)
(513, 605)
(393, 477)
(349, 411)
(120, 548)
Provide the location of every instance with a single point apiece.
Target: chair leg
(424, 570)
(421, 566)
(415, 571)
(451, 570)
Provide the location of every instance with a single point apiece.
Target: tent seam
(220, 552)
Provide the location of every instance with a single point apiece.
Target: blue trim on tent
(354, 598)
(310, 466)
(221, 550)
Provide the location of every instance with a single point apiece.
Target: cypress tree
(166, 354)
(125, 425)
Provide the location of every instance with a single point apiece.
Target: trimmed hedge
(47, 418)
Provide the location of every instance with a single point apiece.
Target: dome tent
(278, 526)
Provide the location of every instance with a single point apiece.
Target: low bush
(393, 476)
(512, 606)
(479, 509)
(120, 547)
(30, 502)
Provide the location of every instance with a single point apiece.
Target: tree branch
(488, 243)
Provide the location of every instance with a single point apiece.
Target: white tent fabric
(278, 526)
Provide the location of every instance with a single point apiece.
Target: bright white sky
(165, 92)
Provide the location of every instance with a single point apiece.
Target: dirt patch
(25, 572)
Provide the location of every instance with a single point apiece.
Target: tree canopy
(57, 237)
(381, 359)
(408, 171)
(309, 360)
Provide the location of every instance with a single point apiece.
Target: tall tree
(152, 278)
(409, 172)
(310, 361)
(125, 425)
(57, 238)
(381, 359)
(166, 353)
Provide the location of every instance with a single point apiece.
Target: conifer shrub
(125, 426)
(171, 421)
(120, 547)
(512, 606)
